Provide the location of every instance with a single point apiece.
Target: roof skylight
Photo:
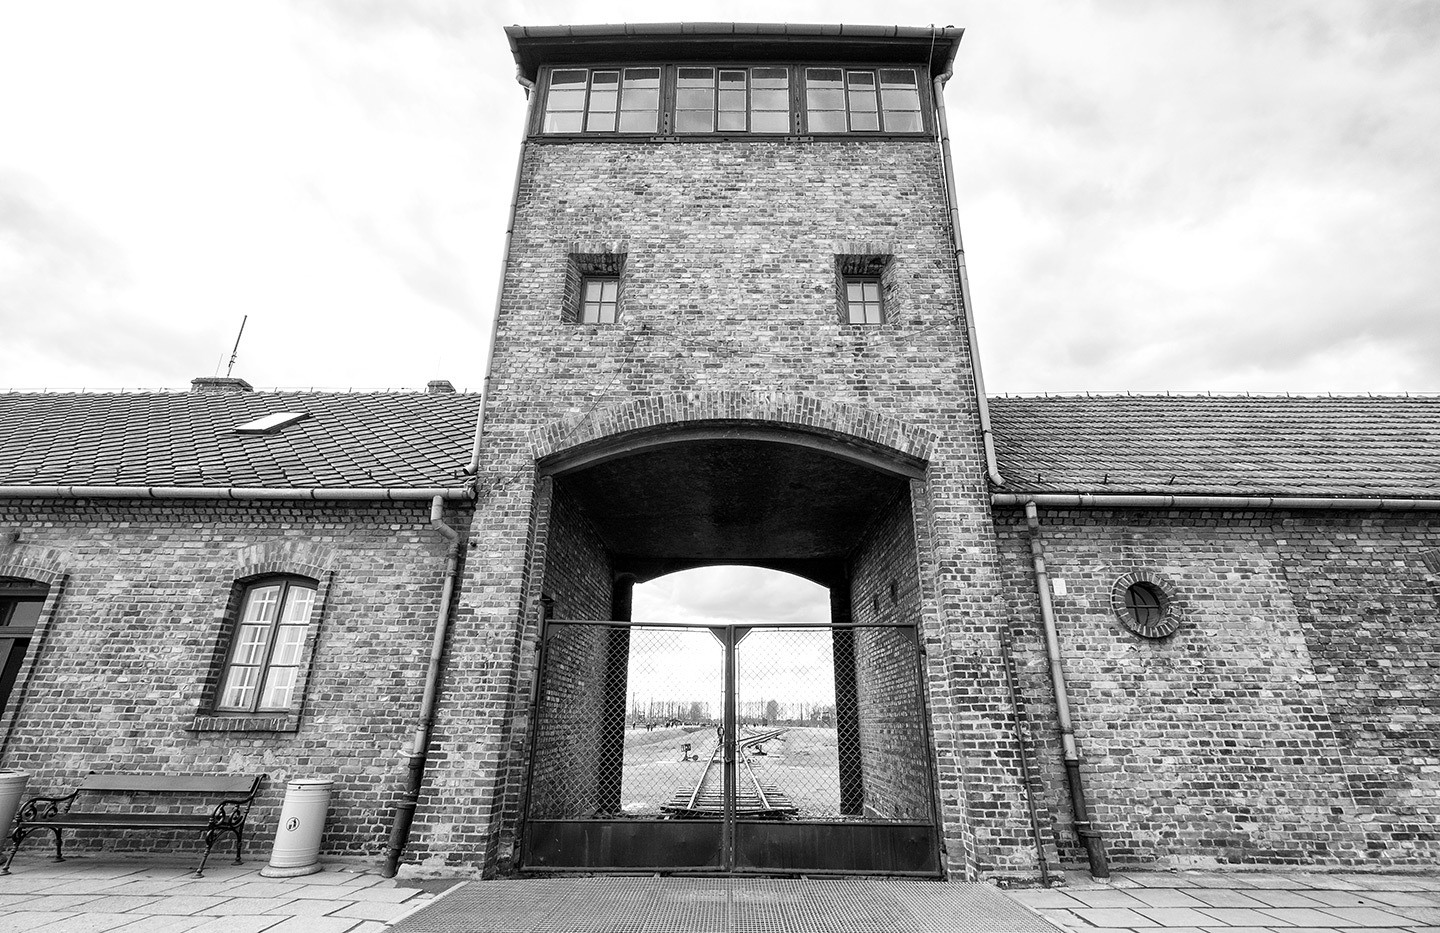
(272, 424)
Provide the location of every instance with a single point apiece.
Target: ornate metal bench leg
(237, 848)
(59, 854)
(209, 844)
(18, 836)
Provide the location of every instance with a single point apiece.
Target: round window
(1146, 604)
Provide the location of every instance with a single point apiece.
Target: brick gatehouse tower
(732, 330)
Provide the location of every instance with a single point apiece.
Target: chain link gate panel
(762, 748)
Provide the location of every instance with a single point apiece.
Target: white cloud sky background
(1184, 195)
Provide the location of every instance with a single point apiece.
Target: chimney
(220, 384)
(439, 387)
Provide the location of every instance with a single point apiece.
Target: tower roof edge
(536, 46)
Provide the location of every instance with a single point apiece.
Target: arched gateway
(654, 746)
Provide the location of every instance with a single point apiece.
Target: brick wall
(572, 757)
(121, 667)
(1292, 719)
(894, 747)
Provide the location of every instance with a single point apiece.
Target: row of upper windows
(860, 298)
(691, 100)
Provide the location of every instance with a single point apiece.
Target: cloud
(1205, 196)
(62, 285)
(720, 595)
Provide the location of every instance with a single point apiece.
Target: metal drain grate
(722, 905)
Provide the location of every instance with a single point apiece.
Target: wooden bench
(236, 792)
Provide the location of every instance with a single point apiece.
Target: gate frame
(729, 822)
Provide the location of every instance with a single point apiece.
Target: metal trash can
(12, 791)
(302, 821)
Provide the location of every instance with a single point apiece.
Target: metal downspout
(992, 466)
(530, 96)
(415, 771)
(1089, 835)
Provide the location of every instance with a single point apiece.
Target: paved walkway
(1242, 902)
(145, 894)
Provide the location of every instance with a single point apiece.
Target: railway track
(754, 799)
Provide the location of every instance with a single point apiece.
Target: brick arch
(41, 565)
(800, 413)
(300, 558)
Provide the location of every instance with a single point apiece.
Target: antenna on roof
(234, 352)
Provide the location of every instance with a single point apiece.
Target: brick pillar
(847, 709)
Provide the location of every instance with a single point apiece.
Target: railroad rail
(754, 799)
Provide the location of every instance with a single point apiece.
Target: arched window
(263, 665)
(20, 605)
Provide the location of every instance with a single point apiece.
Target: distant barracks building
(734, 328)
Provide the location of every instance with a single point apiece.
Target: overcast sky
(1186, 196)
(1181, 195)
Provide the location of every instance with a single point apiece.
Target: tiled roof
(351, 440)
(1223, 445)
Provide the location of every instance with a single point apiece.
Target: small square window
(599, 299)
(862, 300)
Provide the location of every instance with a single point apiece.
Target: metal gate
(761, 748)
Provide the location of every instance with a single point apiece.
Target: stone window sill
(246, 722)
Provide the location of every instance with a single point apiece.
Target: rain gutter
(420, 745)
(992, 466)
(386, 493)
(1081, 500)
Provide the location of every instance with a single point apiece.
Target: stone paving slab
(141, 894)
(1243, 902)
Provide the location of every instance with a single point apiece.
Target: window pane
(827, 121)
(563, 122)
(770, 100)
(854, 292)
(638, 121)
(592, 289)
(607, 314)
(864, 121)
(604, 98)
(250, 644)
(640, 101)
(862, 90)
(695, 98)
(260, 604)
(903, 122)
(298, 601)
(871, 290)
(566, 101)
(608, 290)
(694, 121)
(567, 80)
(900, 97)
(289, 639)
(770, 122)
(25, 612)
(279, 685)
(239, 690)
